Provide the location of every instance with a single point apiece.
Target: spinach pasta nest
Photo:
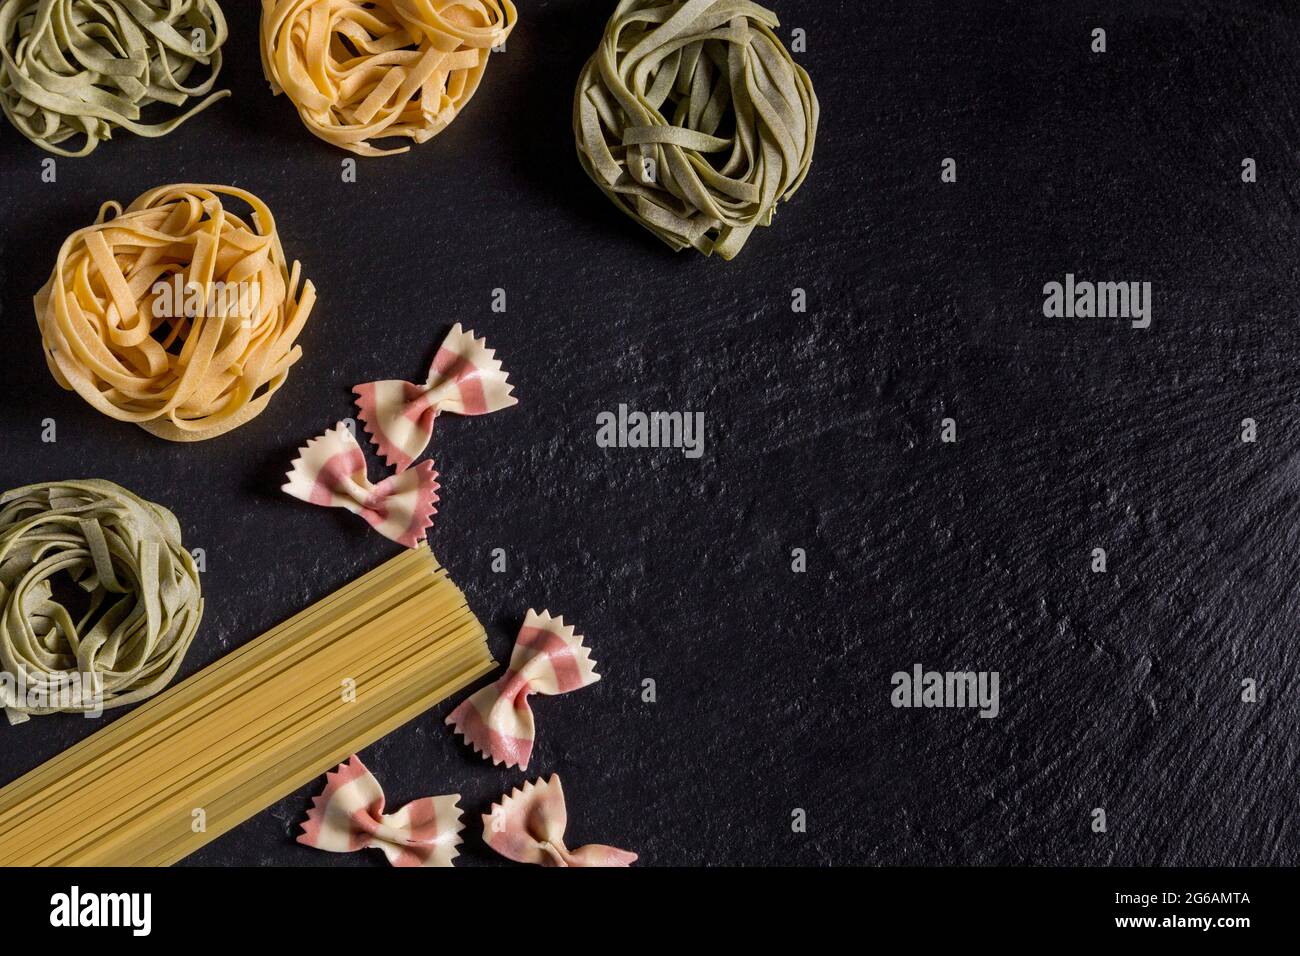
(361, 70)
(175, 313)
(84, 67)
(99, 601)
(694, 120)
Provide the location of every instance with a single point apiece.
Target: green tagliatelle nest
(83, 67)
(123, 636)
(694, 120)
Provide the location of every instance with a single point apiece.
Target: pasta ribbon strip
(361, 71)
(142, 605)
(175, 314)
(84, 67)
(694, 120)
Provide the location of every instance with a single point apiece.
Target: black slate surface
(1118, 690)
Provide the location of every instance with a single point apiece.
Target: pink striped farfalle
(331, 471)
(464, 379)
(527, 826)
(349, 815)
(549, 658)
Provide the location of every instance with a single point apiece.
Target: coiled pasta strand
(694, 120)
(143, 601)
(175, 313)
(362, 71)
(73, 68)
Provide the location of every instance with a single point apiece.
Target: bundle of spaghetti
(175, 314)
(359, 70)
(85, 67)
(694, 120)
(253, 727)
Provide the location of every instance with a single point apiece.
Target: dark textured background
(1118, 690)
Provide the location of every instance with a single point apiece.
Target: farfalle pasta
(549, 658)
(330, 471)
(694, 120)
(527, 825)
(86, 67)
(142, 600)
(175, 313)
(365, 71)
(464, 379)
(348, 815)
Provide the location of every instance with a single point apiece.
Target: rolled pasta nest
(694, 120)
(140, 601)
(175, 313)
(362, 71)
(86, 67)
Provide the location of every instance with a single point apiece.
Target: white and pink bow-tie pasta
(331, 471)
(549, 658)
(527, 826)
(464, 379)
(349, 815)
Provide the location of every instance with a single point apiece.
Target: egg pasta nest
(140, 597)
(361, 71)
(86, 67)
(175, 313)
(694, 120)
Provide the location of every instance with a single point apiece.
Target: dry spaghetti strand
(362, 71)
(176, 314)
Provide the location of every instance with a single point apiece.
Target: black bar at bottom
(319, 904)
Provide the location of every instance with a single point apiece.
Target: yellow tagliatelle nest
(361, 71)
(175, 313)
